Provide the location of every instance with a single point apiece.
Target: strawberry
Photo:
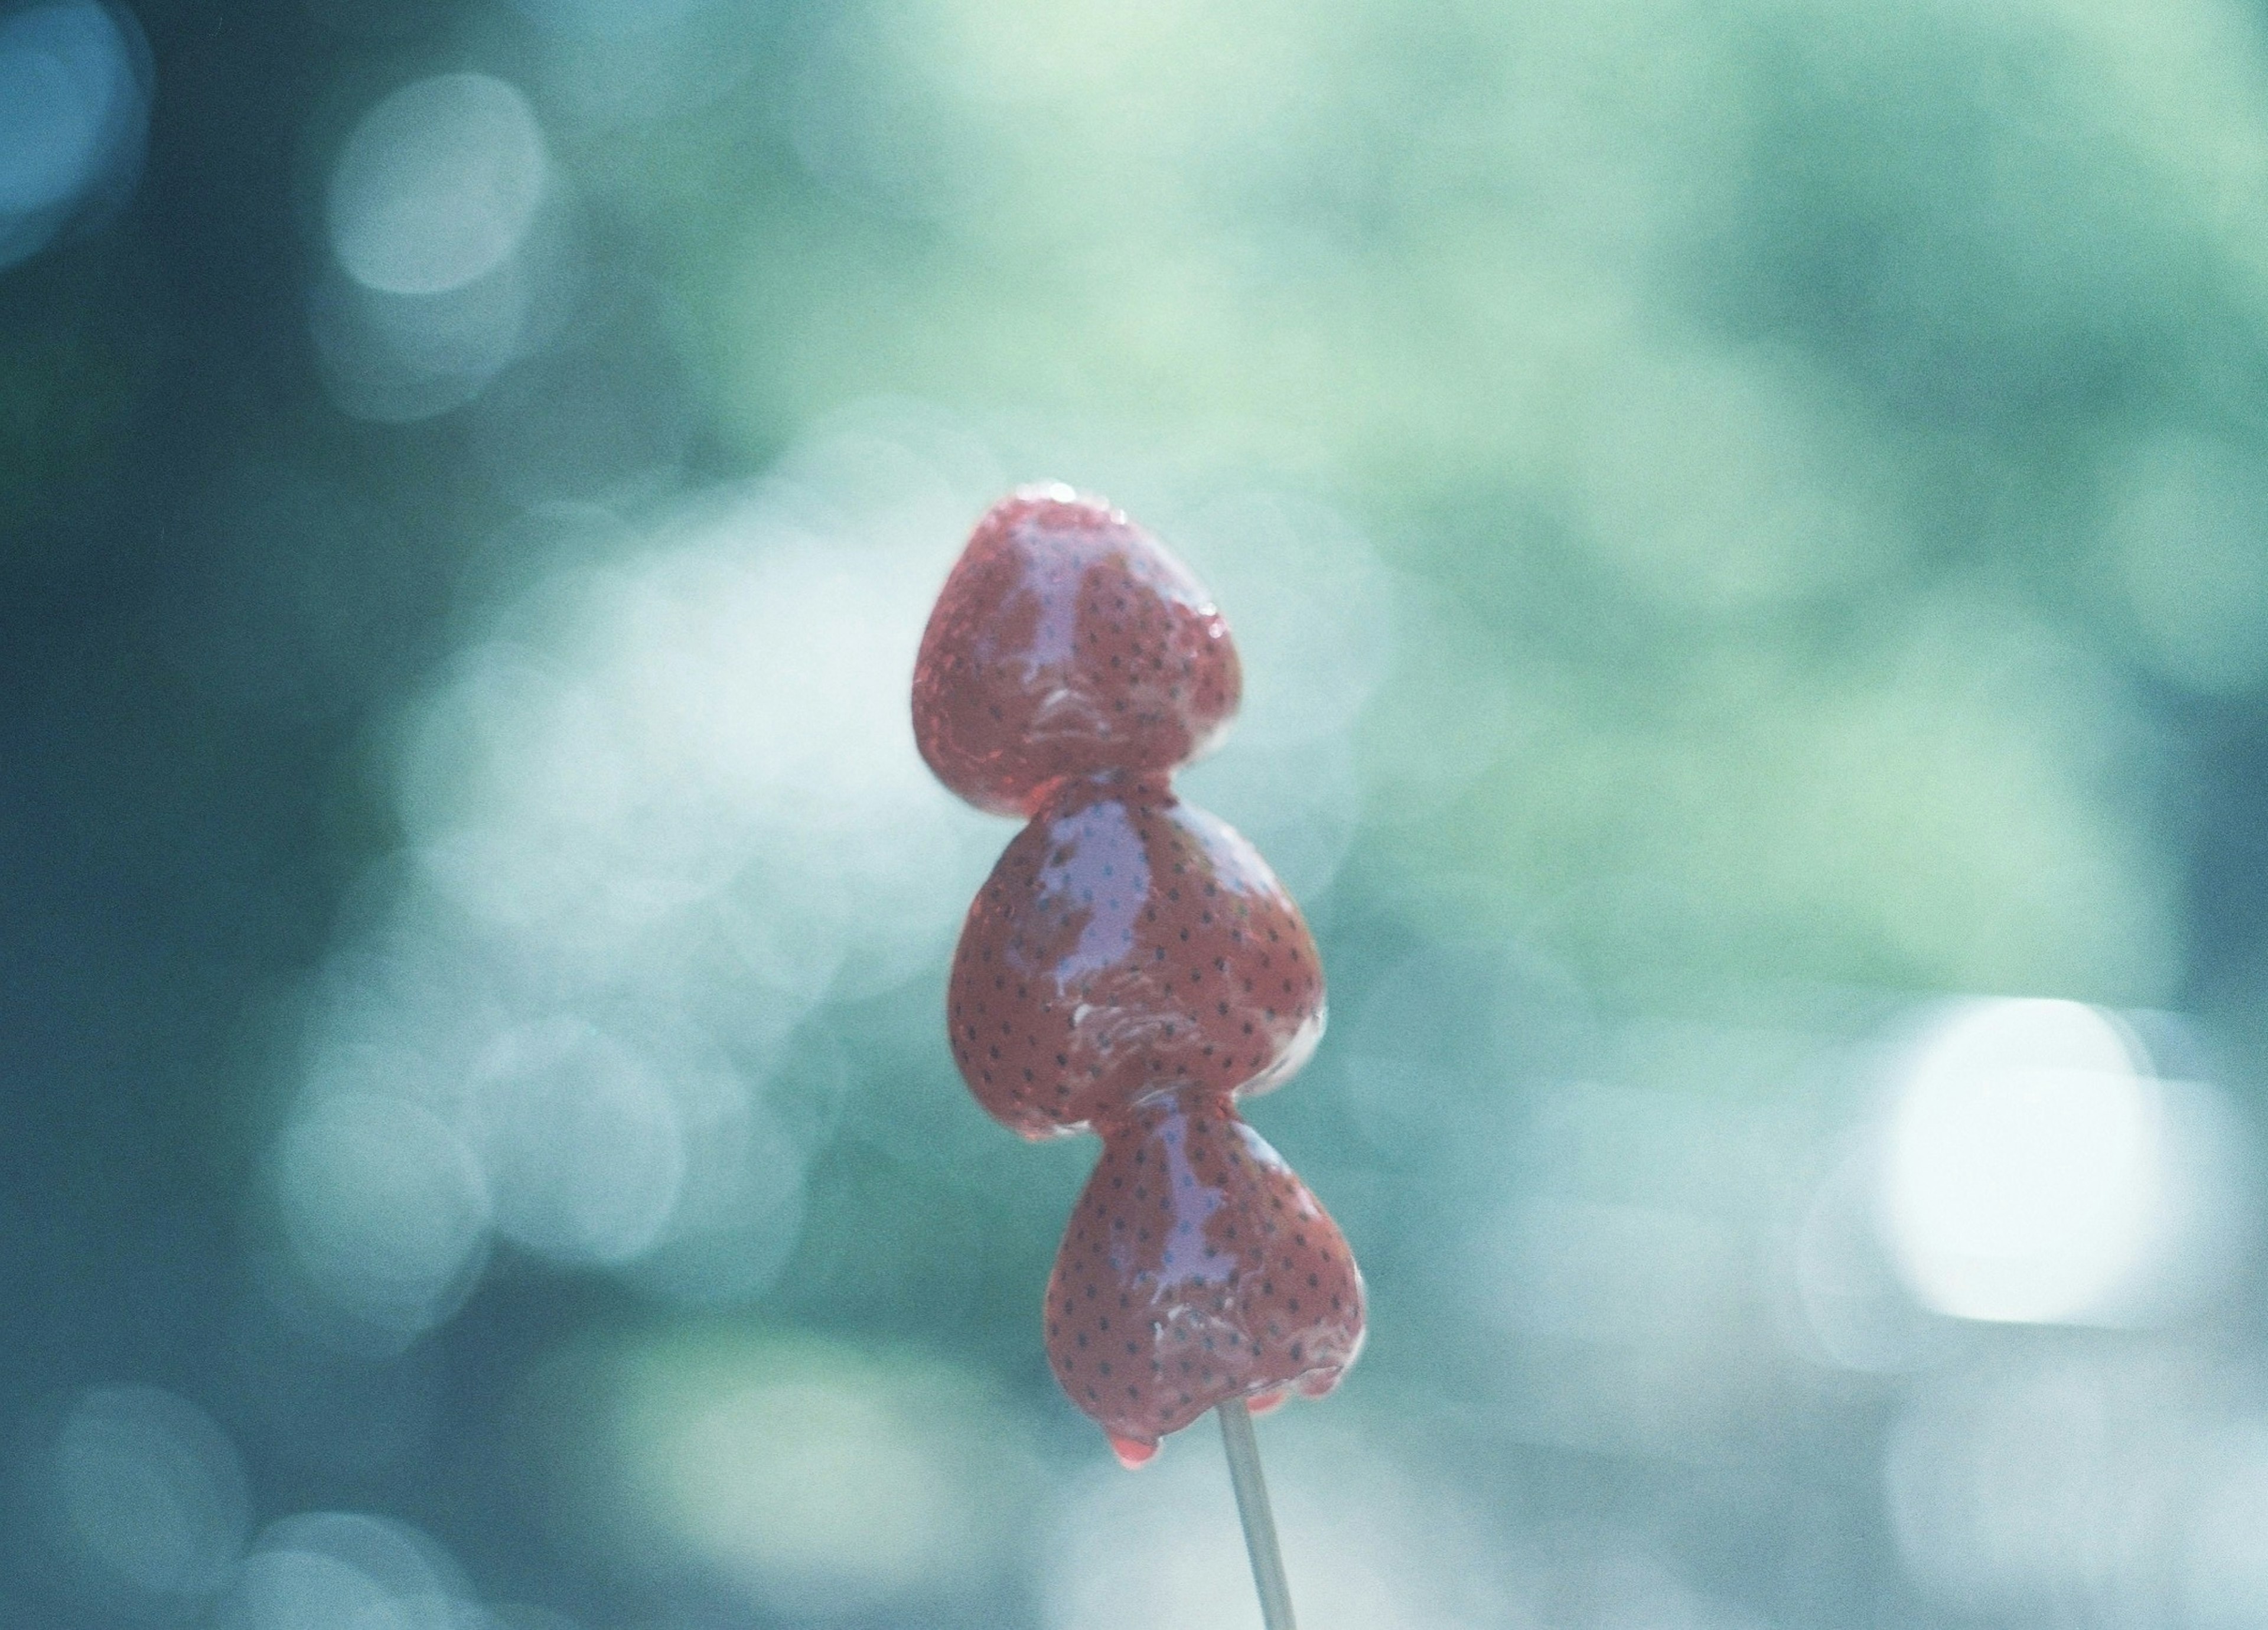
(1197, 1268)
(1127, 943)
(1131, 967)
(1067, 641)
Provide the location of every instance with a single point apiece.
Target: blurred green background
(1747, 522)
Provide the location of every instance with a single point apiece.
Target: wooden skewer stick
(1259, 1521)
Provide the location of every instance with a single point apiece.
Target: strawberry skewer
(1132, 967)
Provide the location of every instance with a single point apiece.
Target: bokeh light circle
(583, 1145)
(2023, 1174)
(2035, 1169)
(341, 1570)
(151, 1492)
(437, 185)
(74, 115)
(387, 1210)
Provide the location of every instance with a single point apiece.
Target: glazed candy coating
(1067, 641)
(1128, 942)
(1197, 1268)
(1131, 968)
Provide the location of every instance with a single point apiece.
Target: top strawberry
(1067, 641)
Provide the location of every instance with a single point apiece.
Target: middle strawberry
(1125, 943)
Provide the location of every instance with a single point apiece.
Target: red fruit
(1197, 1268)
(1132, 966)
(1067, 641)
(1125, 944)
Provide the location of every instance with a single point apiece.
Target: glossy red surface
(1067, 641)
(1128, 942)
(1131, 968)
(1196, 1268)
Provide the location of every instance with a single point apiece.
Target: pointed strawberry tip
(1132, 1453)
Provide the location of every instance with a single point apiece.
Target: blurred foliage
(1750, 382)
(1743, 520)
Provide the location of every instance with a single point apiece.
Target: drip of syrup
(1132, 1453)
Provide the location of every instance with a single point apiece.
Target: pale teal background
(1746, 521)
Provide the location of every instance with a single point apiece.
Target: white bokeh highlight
(2035, 1170)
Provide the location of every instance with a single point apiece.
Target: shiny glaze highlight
(1067, 641)
(1196, 1268)
(1131, 968)
(1128, 942)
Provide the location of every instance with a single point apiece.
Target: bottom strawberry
(1197, 1268)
